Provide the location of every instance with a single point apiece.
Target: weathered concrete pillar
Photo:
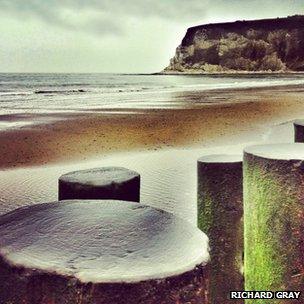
(220, 211)
(100, 183)
(299, 131)
(274, 218)
(89, 252)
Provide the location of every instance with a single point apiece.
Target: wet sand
(78, 137)
(162, 145)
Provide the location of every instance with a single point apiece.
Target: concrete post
(274, 218)
(105, 252)
(100, 183)
(220, 211)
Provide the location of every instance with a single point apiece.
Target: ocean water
(21, 93)
(25, 95)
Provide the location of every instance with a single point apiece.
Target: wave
(8, 93)
(60, 91)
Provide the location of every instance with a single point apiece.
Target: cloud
(112, 35)
(111, 17)
(64, 14)
(102, 17)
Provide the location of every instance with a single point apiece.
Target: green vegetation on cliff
(270, 45)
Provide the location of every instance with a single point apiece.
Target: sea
(52, 93)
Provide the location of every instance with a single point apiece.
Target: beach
(80, 136)
(162, 144)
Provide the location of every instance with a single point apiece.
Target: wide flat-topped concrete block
(299, 130)
(274, 218)
(220, 212)
(91, 252)
(100, 183)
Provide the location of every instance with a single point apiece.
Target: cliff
(269, 45)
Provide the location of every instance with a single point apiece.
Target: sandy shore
(82, 136)
(162, 145)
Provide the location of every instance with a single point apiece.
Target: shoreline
(228, 73)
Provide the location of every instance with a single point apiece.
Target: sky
(112, 36)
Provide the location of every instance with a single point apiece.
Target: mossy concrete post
(100, 183)
(299, 131)
(274, 218)
(220, 211)
(105, 252)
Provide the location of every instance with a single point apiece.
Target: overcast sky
(112, 35)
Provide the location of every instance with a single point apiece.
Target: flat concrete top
(292, 151)
(299, 122)
(99, 176)
(221, 158)
(101, 241)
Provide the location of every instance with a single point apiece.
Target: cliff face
(274, 45)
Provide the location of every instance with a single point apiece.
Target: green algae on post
(220, 211)
(100, 183)
(104, 252)
(274, 218)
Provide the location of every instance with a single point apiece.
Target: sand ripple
(168, 179)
